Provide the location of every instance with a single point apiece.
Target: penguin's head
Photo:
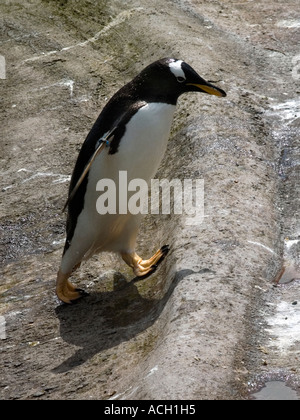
(169, 78)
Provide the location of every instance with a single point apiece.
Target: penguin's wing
(103, 142)
(110, 139)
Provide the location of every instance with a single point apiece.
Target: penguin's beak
(207, 88)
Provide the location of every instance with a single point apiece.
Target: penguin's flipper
(101, 144)
(66, 291)
(142, 268)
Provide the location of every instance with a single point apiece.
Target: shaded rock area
(202, 327)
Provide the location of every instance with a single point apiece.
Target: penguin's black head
(168, 78)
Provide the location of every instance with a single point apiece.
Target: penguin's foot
(65, 290)
(142, 267)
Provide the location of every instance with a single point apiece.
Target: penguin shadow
(103, 320)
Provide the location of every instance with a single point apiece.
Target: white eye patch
(175, 67)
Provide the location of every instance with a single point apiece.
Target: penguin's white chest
(144, 143)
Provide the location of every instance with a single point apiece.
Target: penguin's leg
(65, 290)
(71, 260)
(127, 244)
(142, 267)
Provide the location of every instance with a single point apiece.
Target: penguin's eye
(180, 79)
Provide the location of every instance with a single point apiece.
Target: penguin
(131, 135)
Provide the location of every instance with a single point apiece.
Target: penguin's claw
(68, 297)
(165, 248)
(81, 294)
(144, 268)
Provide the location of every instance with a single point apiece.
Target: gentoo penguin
(131, 135)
